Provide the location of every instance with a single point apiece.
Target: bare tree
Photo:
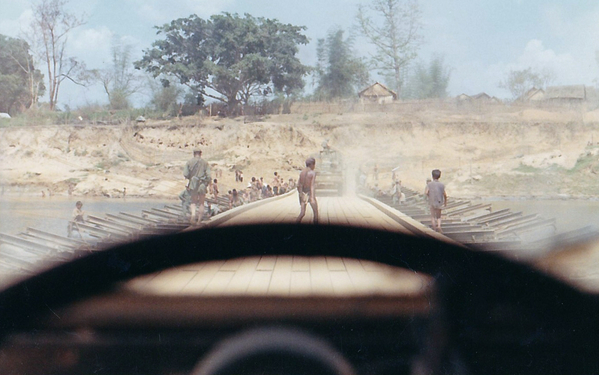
(51, 24)
(395, 31)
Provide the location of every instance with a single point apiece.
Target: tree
(430, 81)
(395, 33)
(339, 72)
(518, 82)
(165, 97)
(227, 57)
(52, 24)
(119, 81)
(20, 81)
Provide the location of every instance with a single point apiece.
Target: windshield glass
(471, 123)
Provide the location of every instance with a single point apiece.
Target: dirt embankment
(526, 153)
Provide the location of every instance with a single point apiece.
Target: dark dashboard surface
(476, 313)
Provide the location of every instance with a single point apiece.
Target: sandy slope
(522, 153)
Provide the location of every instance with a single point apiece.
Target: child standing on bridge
(78, 216)
(437, 198)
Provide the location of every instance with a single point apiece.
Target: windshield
(470, 123)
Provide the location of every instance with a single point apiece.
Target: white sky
(481, 40)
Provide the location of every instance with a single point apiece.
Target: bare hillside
(524, 153)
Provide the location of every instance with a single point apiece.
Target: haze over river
(568, 214)
(51, 214)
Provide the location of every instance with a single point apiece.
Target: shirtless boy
(305, 189)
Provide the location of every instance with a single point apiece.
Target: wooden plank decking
(292, 276)
(347, 210)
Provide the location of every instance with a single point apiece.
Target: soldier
(197, 171)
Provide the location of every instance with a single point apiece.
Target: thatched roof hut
(533, 95)
(566, 94)
(483, 97)
(377, 93)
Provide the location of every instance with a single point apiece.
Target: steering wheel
(476, 294)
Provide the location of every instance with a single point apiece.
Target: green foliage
(17, 92)
(588, 161)
(5, 123)
(524, 168)
(340, 74)
(165, 97)
(227, 57)
(97, 113)
(119, 81)
(430, 81)
(518, 82)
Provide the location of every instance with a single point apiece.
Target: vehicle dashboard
(466, 312)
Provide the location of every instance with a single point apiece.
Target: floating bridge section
(473, 225)
(478, 226)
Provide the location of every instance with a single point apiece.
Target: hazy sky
(481, 40)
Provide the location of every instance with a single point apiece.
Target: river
(568, 214)
(51, 214)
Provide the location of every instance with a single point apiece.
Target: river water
(568, 214)
(51, 214)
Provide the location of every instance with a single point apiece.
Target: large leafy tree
(227, 57)
(20, 81)
(394, 27)
(339, 71)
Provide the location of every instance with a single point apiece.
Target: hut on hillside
(482, 97)
(377, 93)
(463, 98)
(574, 94)
(533, 95)
(592, 94)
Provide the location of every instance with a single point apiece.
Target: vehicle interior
(445, 309)
(335, 101)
